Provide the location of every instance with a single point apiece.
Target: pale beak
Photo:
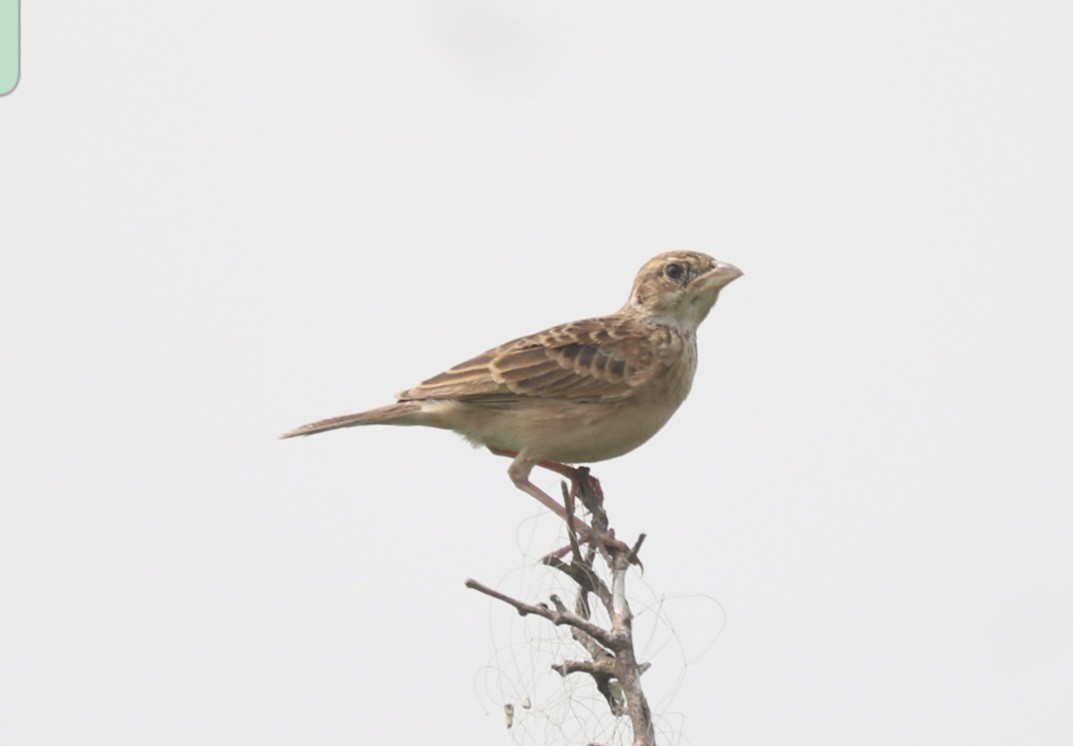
(718, 277)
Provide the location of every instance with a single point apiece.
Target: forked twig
(611, 662)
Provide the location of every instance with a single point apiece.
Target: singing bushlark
(576, 393)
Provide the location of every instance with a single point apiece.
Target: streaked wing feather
(595, 359)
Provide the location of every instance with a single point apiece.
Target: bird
(576, 393)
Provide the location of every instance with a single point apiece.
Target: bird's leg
(582, 484)
(519, 471)
(580, 479)
(587, 488)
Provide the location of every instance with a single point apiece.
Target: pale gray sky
(222, 220)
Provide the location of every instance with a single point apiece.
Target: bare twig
(568, 501)
(612, 662)
(555, 616)
(582, 574)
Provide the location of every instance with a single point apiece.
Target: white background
(221, 220)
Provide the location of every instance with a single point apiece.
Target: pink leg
(519, 471)
(519, 474)
(575, 475)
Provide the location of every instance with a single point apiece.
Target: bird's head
(679, 288)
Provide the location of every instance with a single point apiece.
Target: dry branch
(612, 662)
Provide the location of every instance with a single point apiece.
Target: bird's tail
(393, 414)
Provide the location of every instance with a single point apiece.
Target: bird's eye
(674, 271)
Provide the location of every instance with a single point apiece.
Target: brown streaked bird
(576, 393)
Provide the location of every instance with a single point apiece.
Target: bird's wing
(592, 360)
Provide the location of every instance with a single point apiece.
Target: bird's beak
(718, 277)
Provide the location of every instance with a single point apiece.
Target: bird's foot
(605, 543)
(585, 487)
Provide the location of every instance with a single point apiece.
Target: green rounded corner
(10, 44)
(6, 88)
